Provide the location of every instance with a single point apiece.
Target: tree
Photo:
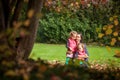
(11, 25)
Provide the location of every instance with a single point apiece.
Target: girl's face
(80, 47)
(78, 37)
(74, 36)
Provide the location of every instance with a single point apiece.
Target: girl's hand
(81, 58)
(69, 52)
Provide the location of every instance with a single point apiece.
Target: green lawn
(58, 52)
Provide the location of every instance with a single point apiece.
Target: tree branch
(6, 11)
(17, 11)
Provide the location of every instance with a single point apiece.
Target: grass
(48, 52)
(58, 52)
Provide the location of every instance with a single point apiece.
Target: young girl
(81, 52)
(71, 46)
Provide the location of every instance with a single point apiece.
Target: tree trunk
(26, 43)
(6, 50)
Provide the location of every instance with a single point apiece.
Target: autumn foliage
(26, 69)
(110, 33)
(43, 70)
(71, 5)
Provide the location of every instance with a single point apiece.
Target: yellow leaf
(71, 4)
(10, 73)
(25, 77)
(98, 29)
(115, 17)
(8, 63)
(115, 33)
(108, 48)
(108, 31)
(111, 19)
(101, 44)
(76, 3)
(105, 27)
(100, 35)
(25, 0)
(116, 22)
(112, 43)
(30, 13)
(39, 15)
(3, 47)
(39, 75)
(119, 38)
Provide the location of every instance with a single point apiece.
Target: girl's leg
(84, 64)
(67, 60)
(80, 62)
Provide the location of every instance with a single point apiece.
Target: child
(81, 52)
(71, 46)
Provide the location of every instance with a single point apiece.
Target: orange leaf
(115, 33)
(117, 52)
(17, 24)
(43, 68)
(110, 26)
(114, 40)
(116, 22)
(27, 22)
(112, 43)
(30, 13)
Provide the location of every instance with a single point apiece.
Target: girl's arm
(86, 51)
(68, 46)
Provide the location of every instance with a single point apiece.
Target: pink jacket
(71, 45)
(81, 52)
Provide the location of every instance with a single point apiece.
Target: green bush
(55, 26)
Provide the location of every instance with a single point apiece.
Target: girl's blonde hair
(81, 44)
(72, 33)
